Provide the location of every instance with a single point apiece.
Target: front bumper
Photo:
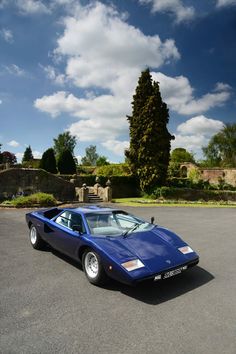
(188, 264)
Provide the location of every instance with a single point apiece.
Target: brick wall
(214, 174)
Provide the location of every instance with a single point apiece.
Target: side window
(69, 219)
(63, 219)
(76, 219)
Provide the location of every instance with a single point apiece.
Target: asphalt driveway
(48, 306)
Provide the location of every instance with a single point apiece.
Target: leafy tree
(8, 157)
(28, 155)
(194, 175)
(102, 161)
(64, 141)
(149, 150)
(91, 156)
(66, 163)
(180, 155)
(221, 149)
(48, 161)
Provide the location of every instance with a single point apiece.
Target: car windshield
(115, 223)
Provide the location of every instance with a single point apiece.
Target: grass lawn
(170, 203)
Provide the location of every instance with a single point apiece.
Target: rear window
(49, 214)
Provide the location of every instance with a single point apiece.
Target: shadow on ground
(154, 293)
(165, 290)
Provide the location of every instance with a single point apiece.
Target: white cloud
(19, 156)
(116, 146)
(189, 142)
(200, 125)
(101, 107)
(98, 129)
(221, 86)
(13, 143)
(0, 101)
(7, 35)
(102, 48)
(32, 7)
(221, 3)
(196, 133)
(37, 154)
(53, 75)
(174, 7)
(102, 51)
(14, 69)
(179, 95)
(79, 158)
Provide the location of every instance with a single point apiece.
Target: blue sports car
(110, 243)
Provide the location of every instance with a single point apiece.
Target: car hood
(157, 248)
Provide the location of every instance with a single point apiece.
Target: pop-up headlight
(133, 265)
(185, 249)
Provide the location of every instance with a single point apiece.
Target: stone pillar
(96, 186)
(82, 193)
(107, 192)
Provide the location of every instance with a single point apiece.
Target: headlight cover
(133, 265)
(185, 249)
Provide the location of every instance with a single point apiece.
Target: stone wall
(13, 181)
(122, 186)
(214, 175)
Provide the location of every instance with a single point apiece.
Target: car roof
(92, 209)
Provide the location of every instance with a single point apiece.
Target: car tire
(93, 268)
(35, 239)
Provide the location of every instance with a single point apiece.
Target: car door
(61, 235)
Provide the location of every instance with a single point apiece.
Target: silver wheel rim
(91, 265)
(33, 235)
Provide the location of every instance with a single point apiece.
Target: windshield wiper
(132, 229)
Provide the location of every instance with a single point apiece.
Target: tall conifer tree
(28, 155)
(149, 137)
(66, 163)
(48, 161)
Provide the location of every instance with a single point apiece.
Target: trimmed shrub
(86, 170)
(30, 164)
(113, 170)
(39, 199)
(192, 194)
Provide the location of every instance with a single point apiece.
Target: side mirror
(152, 220)
(77, 228)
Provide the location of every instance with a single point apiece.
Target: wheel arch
(81, 251)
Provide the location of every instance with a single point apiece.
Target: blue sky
(74, 65)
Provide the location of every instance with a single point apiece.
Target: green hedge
(39, 199)
(192, 194)
(113, 170)
(180, 182)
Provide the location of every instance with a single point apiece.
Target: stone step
(93, 198)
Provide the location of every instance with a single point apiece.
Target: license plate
(171, 273)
